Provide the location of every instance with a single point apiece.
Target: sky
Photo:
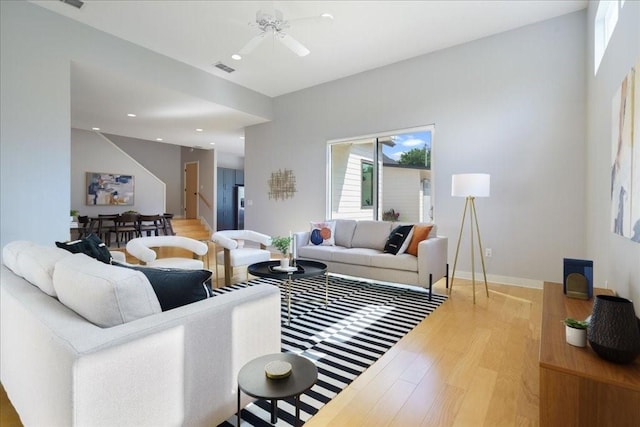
(407, 142)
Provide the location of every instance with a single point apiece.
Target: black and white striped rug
(362, 321)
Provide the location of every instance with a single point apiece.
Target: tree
(416, 157)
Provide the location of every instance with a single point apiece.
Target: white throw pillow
(103, 294)
(322, 233)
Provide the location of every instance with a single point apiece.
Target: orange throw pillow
(420, 232)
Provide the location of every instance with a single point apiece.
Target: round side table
(253, 381)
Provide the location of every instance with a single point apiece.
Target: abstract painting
(625, 157)
(109, 189)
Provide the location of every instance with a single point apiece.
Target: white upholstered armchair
(235, 254)
(140, 248)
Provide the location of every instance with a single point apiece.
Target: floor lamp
(470, 186)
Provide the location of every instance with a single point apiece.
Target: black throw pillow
(397, 238)
(90, 245)
(176, 287)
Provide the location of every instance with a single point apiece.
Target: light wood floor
(464, 365)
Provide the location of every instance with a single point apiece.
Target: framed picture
(109, 189)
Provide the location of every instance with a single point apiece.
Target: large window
(386, 176)
(605, 22)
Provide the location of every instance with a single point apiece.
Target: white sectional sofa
(358, 251)
(154, 368)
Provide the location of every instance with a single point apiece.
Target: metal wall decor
(282, 185)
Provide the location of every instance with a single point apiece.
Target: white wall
(163, 160)
(616, 260)
(36, 48)
(512, 105)
(92, 152)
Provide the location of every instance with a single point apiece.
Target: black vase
(614, 331)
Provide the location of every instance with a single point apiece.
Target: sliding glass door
(383, 177)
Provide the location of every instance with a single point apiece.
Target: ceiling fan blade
(253, 43)
(293, 44)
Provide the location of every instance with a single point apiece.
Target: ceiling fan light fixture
(274, 25)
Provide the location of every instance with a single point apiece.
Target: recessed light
(242, 137)
(131, 115)
(158, 139)
(198, 130)
(95, 128)
(212, 143)
(236, 57)
(327, 15)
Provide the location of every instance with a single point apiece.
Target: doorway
(191, 190)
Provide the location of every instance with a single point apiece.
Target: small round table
(253, 381)
(305, 268)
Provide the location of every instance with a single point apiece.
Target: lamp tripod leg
(473, 265)
(484, 270)
(455, 261)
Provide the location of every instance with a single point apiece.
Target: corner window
(605, 22)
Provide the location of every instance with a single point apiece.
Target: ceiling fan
(275, 25)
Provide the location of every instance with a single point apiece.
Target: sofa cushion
(37, 264)
(420, 233)
(176, 287)
(91, 246)
(344, 231)
(322, 233)
(359, 256)
(397, 239)
(103, 294)
(10, 254)
(320, 253)
(371, 234)
(395, 262)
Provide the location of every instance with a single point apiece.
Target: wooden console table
(577, 387)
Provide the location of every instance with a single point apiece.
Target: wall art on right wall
(625, 156)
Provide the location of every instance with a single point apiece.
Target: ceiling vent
(74, 3)
(224, 67)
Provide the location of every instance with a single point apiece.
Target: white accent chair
(234, 253)
(140, 247)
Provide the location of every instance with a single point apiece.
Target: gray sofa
(358, 251)
(154, 368)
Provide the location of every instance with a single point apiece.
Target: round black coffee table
(304, 269)
(253, 381)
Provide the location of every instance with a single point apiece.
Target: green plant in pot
(282, 244)
(576, 331)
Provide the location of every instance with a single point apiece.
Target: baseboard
(503, 280)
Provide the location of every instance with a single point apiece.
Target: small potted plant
(576, 332)
(73, 213)
(282, 244)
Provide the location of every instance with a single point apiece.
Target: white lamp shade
(471, 185)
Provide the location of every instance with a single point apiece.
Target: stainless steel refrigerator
(239, 203)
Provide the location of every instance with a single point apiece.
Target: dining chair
(166, 224)
(126, 227)
(150, 224)
(83, 226)
(107, 226)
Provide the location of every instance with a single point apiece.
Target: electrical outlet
(487, 252)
